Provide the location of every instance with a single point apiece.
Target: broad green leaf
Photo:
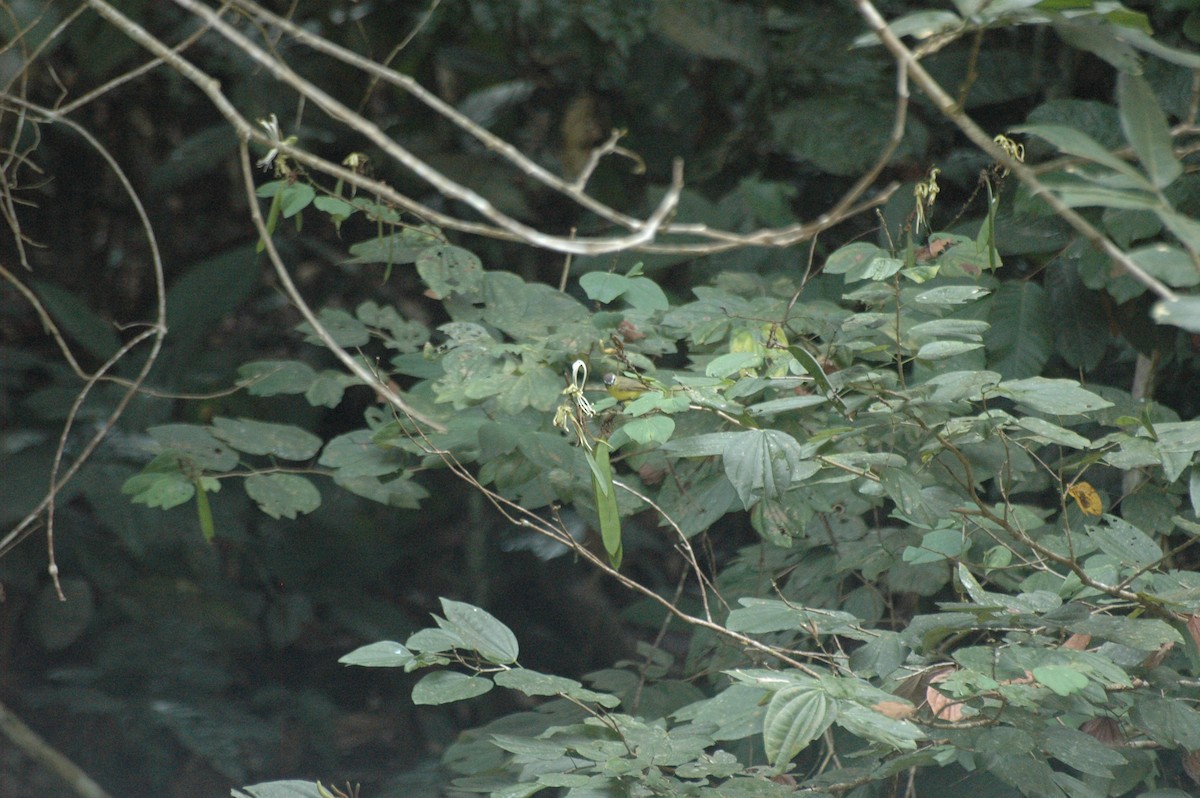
(1052, 396)
(1020, 339)
(1081, 751)
(951, 295)
(1052, 433)
(655, 429)
(606, 503)
(196, 444)
(344, 329)
(759, 616)
(707, 445)
(868, 724)
(902, 488)
(448, 269)
(356, 454)
(1168, 721)
(206, 293)
(295, 197)
(817, 127)
(260, 437)
(274, 377)
(940, 350)
(1081, 333)
(77, 321)
(737, 712)
(732, 362)
(1170, 264)
(1125, 542)
(1075, 194)
(1075, 142)
(1184, 228)
(384, 654)
(795, 717)
(876, 269)
(712, 29)
(1146, 129)
(402, 247)
(283, 495)
(641, 293)
(1144, 634)
(918, 24)
(534, 683)
(787, 404)
(1183, 313)
(938, 545)
(481, 631)
(1062, 680)
(852, 256)
(444, 687)
(762, 464)
(203, 508)
(161, 483)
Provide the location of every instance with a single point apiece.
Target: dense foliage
(897, 502)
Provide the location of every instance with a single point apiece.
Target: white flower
(271, 125)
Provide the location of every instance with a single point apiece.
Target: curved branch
(951, 110)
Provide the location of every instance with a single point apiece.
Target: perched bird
(624, 389)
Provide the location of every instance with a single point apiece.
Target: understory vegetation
(680, 398)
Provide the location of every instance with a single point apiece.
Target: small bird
(624, 389)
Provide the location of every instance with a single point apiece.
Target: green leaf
(1183, 313)
(274, 377)
(1081, 333)
(940, 350)
(655, 429)
(818, 127)
(1019, 341)
(1081, 751)
(384, 654)
(851, 257)
(402, 247)
(762, 464)
(938, 545)
(444, 687)
(448, 269)
(77, 321)
(1075, 142)
(196, 444)
(1146, 129)
(481, 631)
(161, 483)
(871, 725)
(533, 683)
(295, 197)
(1170, 264)
(1144, 634)
(951, 295)
(260, 437)
(283, 495)
(203, 508)
(1168, 721)
(606, 503)
(713, 29)
(795, 717)
(344, 329)
(1062, 680)
(1055, 397)
(641, 293)
(731, 363)
(203, 295)
(1052, 433)
(1125, 542)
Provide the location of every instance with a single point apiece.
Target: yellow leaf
(1086, 497)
